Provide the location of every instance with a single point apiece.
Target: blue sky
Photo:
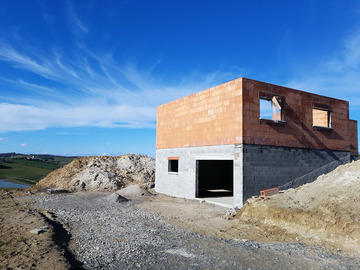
(85, 77)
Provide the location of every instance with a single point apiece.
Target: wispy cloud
(2, 139)
(19, 60)
(74, 20)
(336, 75)
(23, 145)
(89, 89)
(25, 117)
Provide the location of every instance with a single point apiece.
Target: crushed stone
(111, 235)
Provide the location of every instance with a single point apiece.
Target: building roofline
(257, 81)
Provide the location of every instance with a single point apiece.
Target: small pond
(4, 184)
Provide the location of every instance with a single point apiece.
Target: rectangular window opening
(173, 165)
(321, 118)
(271, 109)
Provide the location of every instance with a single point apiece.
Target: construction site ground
(93, 230)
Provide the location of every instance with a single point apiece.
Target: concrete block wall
(266, 167)
(256, 167)
(183, 183)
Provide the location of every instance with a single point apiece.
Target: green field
(23, 169)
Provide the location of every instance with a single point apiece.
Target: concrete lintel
(217, 157)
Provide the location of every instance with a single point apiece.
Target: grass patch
(22, 169)
(23, 173)
(36, 164)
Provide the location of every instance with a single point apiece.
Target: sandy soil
(19, 248)
(325, 212)
(209, 219)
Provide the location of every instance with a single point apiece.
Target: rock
(57, 190)
(133, 191)
(150, 185)
(114, 197)
(231, 213)
(37, 231)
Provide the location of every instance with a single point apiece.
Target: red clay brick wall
(298, 131)
(230, 114)
(353, 137)
(210, 117)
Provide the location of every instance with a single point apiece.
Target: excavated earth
(101, 173)
(325, 212)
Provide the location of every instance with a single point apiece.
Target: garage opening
(214, 178)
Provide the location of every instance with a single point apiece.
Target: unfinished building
(244, 136)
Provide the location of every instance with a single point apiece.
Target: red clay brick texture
(210, 117)
(230, 114)
(269, 192)
(353, 137)
(298, 131)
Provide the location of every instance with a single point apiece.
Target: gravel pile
(115, 234)
(101, 173)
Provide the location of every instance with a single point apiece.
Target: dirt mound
(101, 173)
(326, 210)
(133, 191)
(114, 197)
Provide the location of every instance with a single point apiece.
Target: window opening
(321, 118)
(173, 166)
(270, 108)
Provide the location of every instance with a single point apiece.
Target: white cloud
(2, 139)
(23, 145)
(24, 117)
(103, 94)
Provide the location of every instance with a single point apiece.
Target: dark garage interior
(214, 178)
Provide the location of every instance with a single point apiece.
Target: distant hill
(29, 169)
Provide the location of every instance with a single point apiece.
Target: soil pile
(326, 210)
(101, 173)
(133, 191)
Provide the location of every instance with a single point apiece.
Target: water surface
(4, 184)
